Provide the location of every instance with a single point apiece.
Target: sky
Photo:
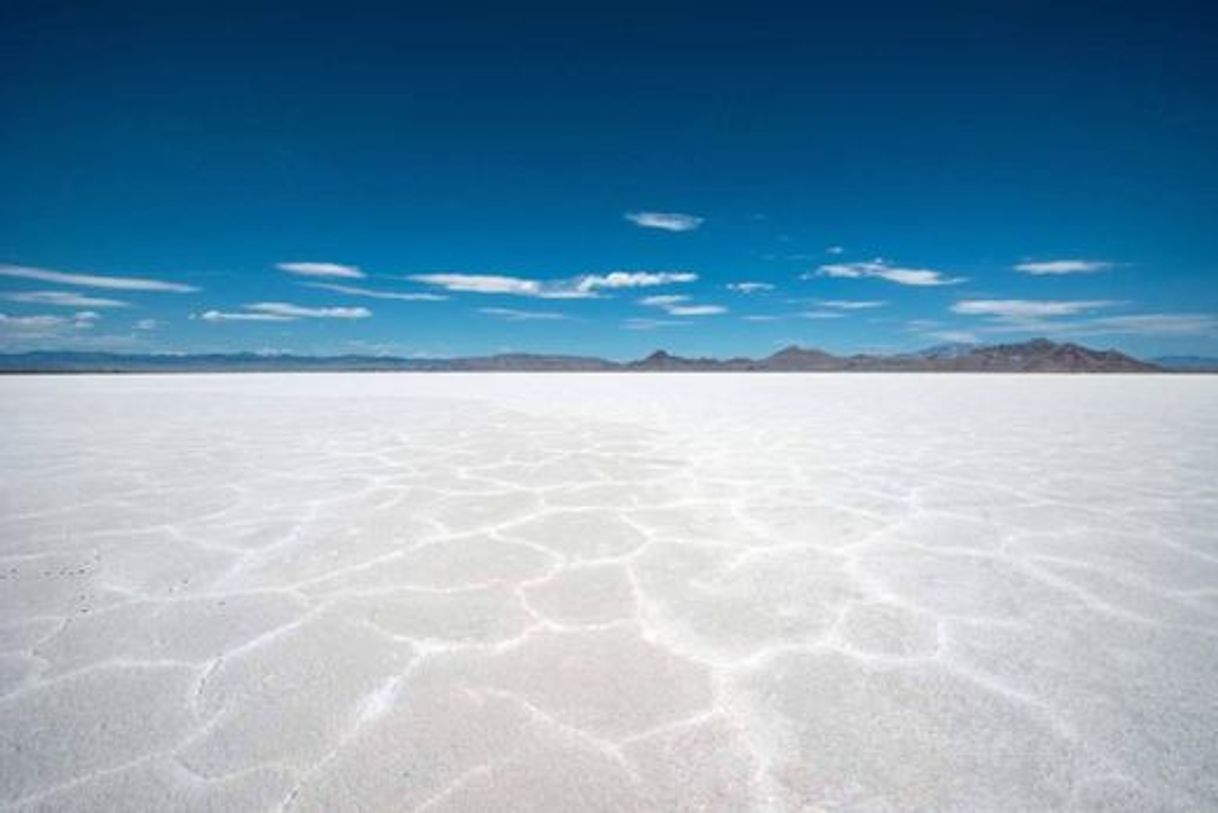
(607, 178)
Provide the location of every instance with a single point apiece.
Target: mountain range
(1035, 356)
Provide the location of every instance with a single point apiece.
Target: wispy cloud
(299, 311)
(242, 316)
(282, 312)
(375, 294)
(1059, 318)
(696, 310)
(762, 317)
(94, 280)
(667, 221)
(879, 269)
(66, 299)
(835, 250)
(633, 279)
(652, 324)
(749, 287)
(513, 315)
(1064, 267)
(1152, 324)
(321, 270)
(821, 315)
(147, 324)
(41, 325)
(663, 301)
(1143, 324)
(500, 284)
(76, 331)
(1027, 308)
(678, 305)
(850, 304)
(588, 286)
(955, 336)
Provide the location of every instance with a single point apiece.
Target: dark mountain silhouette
(1035, 356)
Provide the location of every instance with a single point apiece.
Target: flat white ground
(609, 592)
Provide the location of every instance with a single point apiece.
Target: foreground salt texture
(609, 592)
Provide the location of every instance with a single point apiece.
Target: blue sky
(607, 178)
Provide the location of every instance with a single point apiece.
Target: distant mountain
(946, 351)
(799, 359)
(662, 361)
(1044, 356)
(1036, 356)
(1195, 364)
(526, 362)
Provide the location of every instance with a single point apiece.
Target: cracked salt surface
(611, 592)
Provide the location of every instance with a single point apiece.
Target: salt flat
(609, 592)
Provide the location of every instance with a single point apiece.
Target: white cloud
(675, 305)
(749, 287)
(293, 311)
(67, 299)
(762, 317)
(668, 221)
(373, 294)
(229, 316)
(513, 315)
(822, 315)
(633, 279)
(321, 270)
(1026, 308)
(1153, 324)
(584, 287)
(696, 310)
(663, 301)
(955, 336)
(44, 325)
(652, 324)
(835, 250)
(880, 269)
(500, 284)
(33, 323)
(1064, 267)
(94, 280)
(850, 304)
(147, 324)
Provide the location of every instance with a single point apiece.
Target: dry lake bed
(559, 592)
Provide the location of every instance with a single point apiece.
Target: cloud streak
(879, 269)
(41, 325)
(633, 279)
(850, 304)
(749, 287)
(514, 315)
(1143, 324)
(1027, 308)
(501, 284)
(286, 309)
(587, 286)
(1053, 267)
(665, 221)
(352, 290)
(678, 305)
(652, 324)
(94, 280)
(241, 316)
(321, 270)
(282, 312)
(66, 299)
